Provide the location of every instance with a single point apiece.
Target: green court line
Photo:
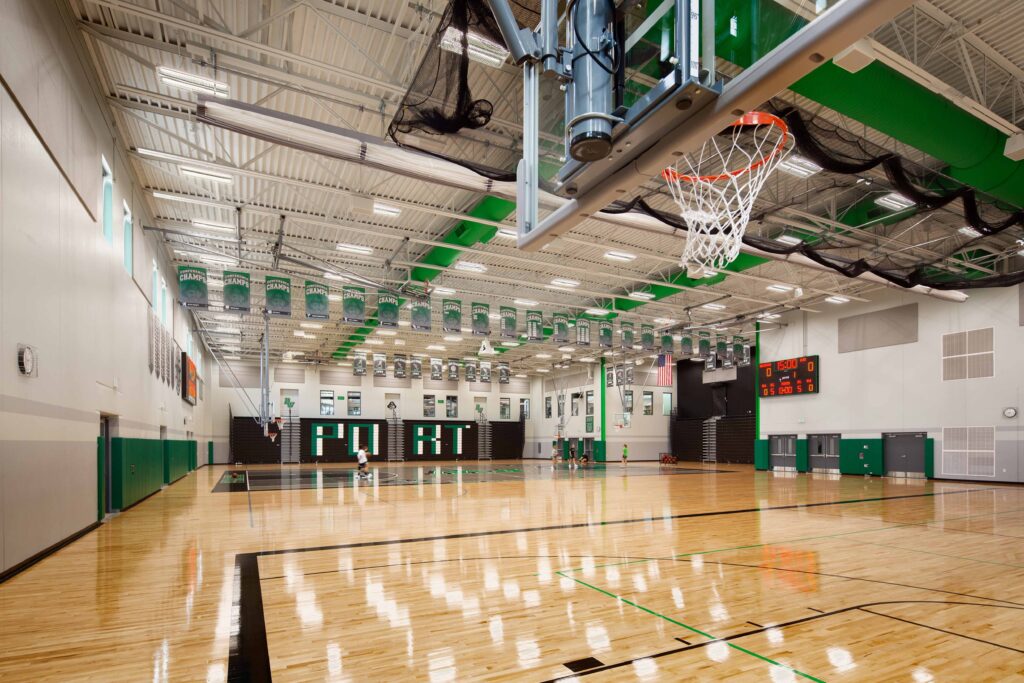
(952, 557)
(691, 628)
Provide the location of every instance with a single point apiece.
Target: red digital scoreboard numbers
(789, 377)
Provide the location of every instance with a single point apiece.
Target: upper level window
(107, 213)
(126, 226)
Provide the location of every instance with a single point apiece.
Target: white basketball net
(716, 188)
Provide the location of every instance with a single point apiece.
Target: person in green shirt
(625, 453)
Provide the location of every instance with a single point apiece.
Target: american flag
(664, 369)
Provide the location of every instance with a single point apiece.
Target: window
(107, 212)
(968, 355)
(666, 404)
(126, 224)
(576, 403)
(524, 409)
(547, 407)
(561, 405)
(451, 406)
(590, 403)
(429, 405)
(165, 304)
(505, 409)
(648, 406)
(355, 403)
(155, 289)
(326, 402)
(627, 401)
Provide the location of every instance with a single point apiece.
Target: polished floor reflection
(630, 574)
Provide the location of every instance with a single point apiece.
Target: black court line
(249, 659)
(788, 624)
(940, 630)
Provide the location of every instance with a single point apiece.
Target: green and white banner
(236, 291)
(317, 307)
(470, 370)
(481, 319)
(451, 315)
(535, 325)
(485, 371)
(721, 345)
(508, 322)
(561, 335)
(436, 369)
(380, 365)
(359, 364)
(353, 304)
(279, 295)
(582, 332)
(627, 330)
(400, 365)
(415, 368)
(647, 337)
(737, 348)
(453, 369)
(504, 373)
(704, 344)
(666, 343)
(604, 334)
(192, 289)
(387, 308)
(686, 345)
(421, 315)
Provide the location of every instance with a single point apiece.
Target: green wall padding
(600, 451)
(101, 492)
(861, 456)
(803, 462)
(176, 458)
(209, 452)
(137, 470)
(762, 461)
(929, 458)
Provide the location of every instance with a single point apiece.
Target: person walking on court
(362, 456)
(625, 454)
(554, 454)
(572, 456)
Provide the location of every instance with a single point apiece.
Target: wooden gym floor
(533, 576)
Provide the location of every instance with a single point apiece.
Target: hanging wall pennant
(582, 332)
(561, 334)
(353, 304)
(451, 316)
(535, 325)
(481, 319)
(647, 337)
(192, 288)
(508, 322)
(421, 315)
(387, 308)
(604, 334)
(316, 301)
(237, 291)
(278, 291)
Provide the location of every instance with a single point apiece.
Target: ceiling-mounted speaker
(856, 57)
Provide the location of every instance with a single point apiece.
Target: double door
(782, 451)
(904, 454)
(823, 452)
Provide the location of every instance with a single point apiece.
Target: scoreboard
(788, 377)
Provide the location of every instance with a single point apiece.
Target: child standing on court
(362, 457)
(625, 454)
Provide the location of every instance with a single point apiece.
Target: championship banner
(421, 315)
(236, 291)
(380, 365)
(192, 289)
(485, 371)
(400, 365)
(451, 315)
(627, 334)
(503, 373)
(561, 335)
(415, 368)
(535, 326)
(317, 301)
(604, 334)
(737, 348)
(436, 369)
(704, 344)
(609, 376)
(582, 332)
(508, 322)
(620, 375)
(359, 364)
(721, 345)
(629, 373)
(353, 304)
(647, 337)
(453, 369)
(387, 309)
(470, 370)
(744, 358)
(687, 345)
(279, 295)
(481, 319)
(667, 343)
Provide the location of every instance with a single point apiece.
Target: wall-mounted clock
(26, 360)
(1010, 412)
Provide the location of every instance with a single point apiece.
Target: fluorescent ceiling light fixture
(227, 330)
(643, 296)
(543, 370)
(387, 333)
(588, 359)
(170, 196)
(791, 240)
(334, 297)
(231, 357)
(146, 152)
(419, 355)
(435, 347)
(543, 355)
(226, 318)
(894, 201)
(201, 174)
(508, 233)
(311, 326)
(218, 260)
(520, 375)
(564, 282)
(471, 267)
(525, 302)
(494, 316)
(289, 360)
(623, 256)
(510, 344)
(452, 338)
(779, 288)
(597, 311)
(399, 342)
(373, 342)
(714, 307)
(566, 349)
(801, 167)
(478, 48)
(298, 333)
(386, 209)
(210, 225)
(969, 231)
(187, 81)
(335, 276)
(355, 249)
(837, 300)
(665, 321)
(443, 290)
(231, 349)
(344, 365)
(768, 316)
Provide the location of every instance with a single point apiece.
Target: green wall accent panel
(600, 451)
(101, 489)
(762, 461)
(176, 455)
(137, 470)
(861, 456)
(209, 452)
(929, 458)
(464, 234)
(803, 462)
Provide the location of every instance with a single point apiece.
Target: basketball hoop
(716, 188)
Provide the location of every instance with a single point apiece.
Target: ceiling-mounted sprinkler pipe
(590, 28)
(549, 34)
(519, 41)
